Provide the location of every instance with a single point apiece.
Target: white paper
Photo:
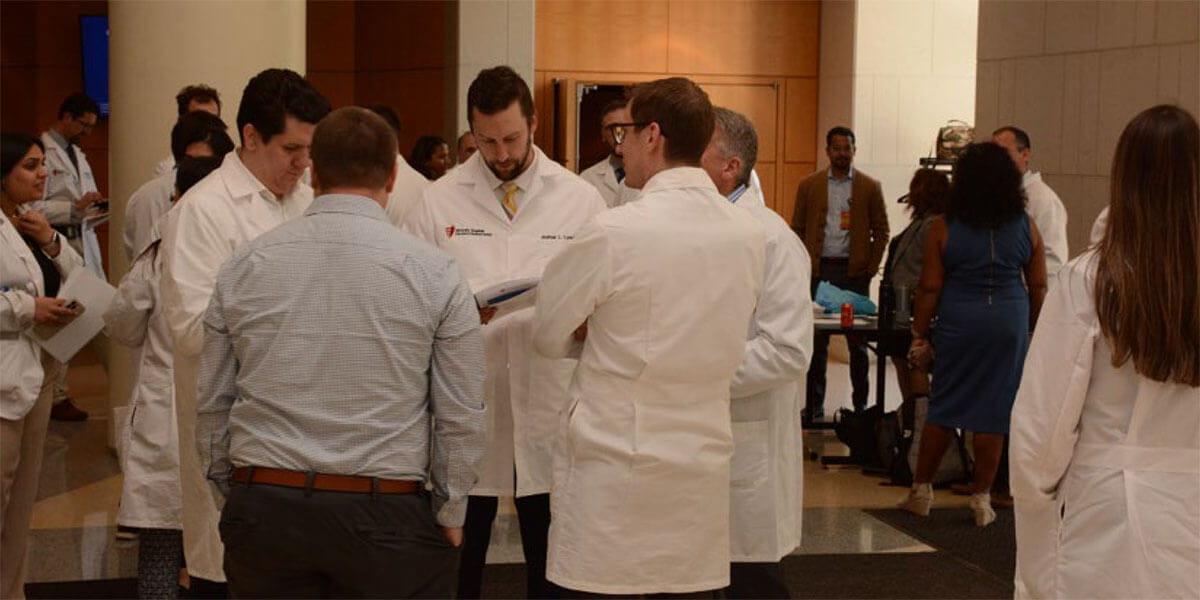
(92, 258)
(96, 296)
(509, 294)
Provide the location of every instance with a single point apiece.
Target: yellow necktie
(510, 192)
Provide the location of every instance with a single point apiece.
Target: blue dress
(982, 329)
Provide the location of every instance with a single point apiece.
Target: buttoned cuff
(450, 512)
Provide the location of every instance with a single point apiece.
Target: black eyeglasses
(619, 130)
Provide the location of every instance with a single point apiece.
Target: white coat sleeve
(1099, 226)
(420, 220)
(573, 284)
(195, 249)
(1045, 427)
(1050, 217)
(67, 260)
(16, 310)
(781, 347)
(129, 315)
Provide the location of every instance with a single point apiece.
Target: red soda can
(847, 316)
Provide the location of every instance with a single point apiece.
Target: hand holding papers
(91, 298)
(510, 295)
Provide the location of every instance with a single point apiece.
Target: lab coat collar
(58, 139)
(679, 177)
(1029, 178)
(350, 204)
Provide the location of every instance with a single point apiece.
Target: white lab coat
(164, 166)
(766, 476)
(146, 205)
(666, 285)
(21, 281)
(1099, 226)
(1105, 463)
(64, 186)
(150, 461)
(406, 193)
(602, 177)
(1047, 211)
(220, 213)
(524, 393)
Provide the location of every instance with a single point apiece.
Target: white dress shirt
(1048, 213)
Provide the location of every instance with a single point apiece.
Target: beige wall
(156, 48)
(914, 69)
(1072, 74)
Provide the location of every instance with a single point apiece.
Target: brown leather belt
(323, 481)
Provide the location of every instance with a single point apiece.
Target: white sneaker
(919, 499)
(981, 506)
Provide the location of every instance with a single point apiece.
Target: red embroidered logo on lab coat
(450, 231)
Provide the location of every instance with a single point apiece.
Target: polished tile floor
(74, 518)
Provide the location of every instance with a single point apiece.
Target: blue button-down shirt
(333, 344)
(837, 240)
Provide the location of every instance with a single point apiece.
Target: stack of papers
(93, 297)
(514, 294)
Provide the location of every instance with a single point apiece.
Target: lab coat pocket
(751, 515)
(748, 471)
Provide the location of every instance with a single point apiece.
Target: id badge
(845, 221)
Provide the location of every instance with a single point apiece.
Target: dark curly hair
(986, 193)
(423, 149)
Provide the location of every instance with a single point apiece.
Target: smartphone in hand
(46, 331)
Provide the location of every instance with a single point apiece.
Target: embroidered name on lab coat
(557, 237)
(452, 231)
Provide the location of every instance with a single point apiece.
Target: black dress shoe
(65, 410)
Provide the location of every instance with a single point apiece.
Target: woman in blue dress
(984, 276)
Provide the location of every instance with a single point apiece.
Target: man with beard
(842, 220)
(503, 214)
(256, 189)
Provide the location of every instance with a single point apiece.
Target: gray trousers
(288, 543)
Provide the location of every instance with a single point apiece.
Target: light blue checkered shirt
(333, 344)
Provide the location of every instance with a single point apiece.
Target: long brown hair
(1146, 276)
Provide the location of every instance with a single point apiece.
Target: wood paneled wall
(400, 53)
(41, 64)
(756, 57)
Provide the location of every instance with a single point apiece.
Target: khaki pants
(21, 447)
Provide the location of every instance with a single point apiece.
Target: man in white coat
(766, 477)
(608, 175)
(1042, 204)
(193, 98)
(256, 188)
(661, 291)
(194, 134)
(71, 187)
(409, 185)
(503, 214)
(70, 191)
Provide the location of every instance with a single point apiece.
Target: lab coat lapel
(482, 193)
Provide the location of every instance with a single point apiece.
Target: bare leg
(918, 381)
(934, 440)
(988, 448)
